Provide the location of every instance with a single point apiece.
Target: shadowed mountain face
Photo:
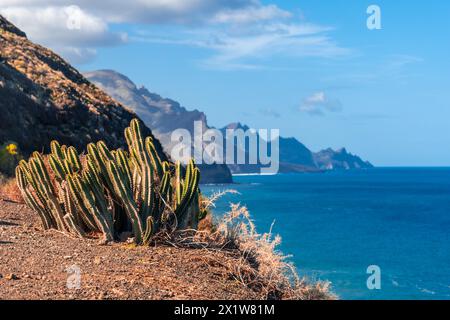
(161, 114)
(43, 98)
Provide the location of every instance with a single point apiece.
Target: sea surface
(337, 224)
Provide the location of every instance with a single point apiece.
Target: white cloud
(250, 14)
(143, 11)
(239, 33)
(246, 46)
(319, 103)
(68, 30)
(269, 112)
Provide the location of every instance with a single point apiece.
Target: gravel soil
(38, 264)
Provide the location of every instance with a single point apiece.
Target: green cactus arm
(178, 184)
(137, 147)
(149, 230)
(46, 218)
(78, 200)
(187, 178)
(155, 159)
(102, 221)
(104, 152)
(166, 188)
(57, 167)
(73, 159)
(26, 169)
(100, 165)
(128, 137)
(101, 200)
(191, 218)
(71, 218)
(136, 184)
(56, 150)
(64, 151)
(39, 161)
(146, 192)
(127, 200)
(191, 190)
(40, 172)
(124, 166)
(93, 171)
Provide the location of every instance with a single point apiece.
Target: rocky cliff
(161, 114)
(340, 159)
(42, 98)
(165, 115)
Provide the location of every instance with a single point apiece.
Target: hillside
(164, 115)
(33, 265)
(330, 159)
(42, 98)
(161, 114)
(38, 264)
(294, 156)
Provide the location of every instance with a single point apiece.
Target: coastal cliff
(42, 98)
(163, 115)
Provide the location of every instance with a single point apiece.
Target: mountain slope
(161, 114)
(43, 98)
(296, 157)
(329, 159)
(165, 115)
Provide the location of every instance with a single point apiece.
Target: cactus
(108, 192)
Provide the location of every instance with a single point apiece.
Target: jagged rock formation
(293, 155)
(161, 114)
(330, 159)
(296, 157)
(42, 98)
(165, 115)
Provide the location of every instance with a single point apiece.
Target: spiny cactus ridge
(111, 191)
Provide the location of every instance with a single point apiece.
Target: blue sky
(310, 68)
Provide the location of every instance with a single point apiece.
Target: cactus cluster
(111, 191)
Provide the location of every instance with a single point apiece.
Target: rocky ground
(37, 264)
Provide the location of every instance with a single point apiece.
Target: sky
(311, 68)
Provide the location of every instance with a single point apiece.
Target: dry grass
(257, 263)
(9, 190)
(273, 275)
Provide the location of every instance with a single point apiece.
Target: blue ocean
(336, 224)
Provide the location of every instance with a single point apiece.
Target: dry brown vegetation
(225, 259)
(9, 190)
(256, 263)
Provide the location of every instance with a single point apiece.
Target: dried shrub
(9, 190)
(273, 275)
(256, 261)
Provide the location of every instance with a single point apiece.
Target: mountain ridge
(44, 98)
(165, 115)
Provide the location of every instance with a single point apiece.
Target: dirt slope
(42, 97)
(33, 265)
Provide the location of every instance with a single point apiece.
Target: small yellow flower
(12, 149)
